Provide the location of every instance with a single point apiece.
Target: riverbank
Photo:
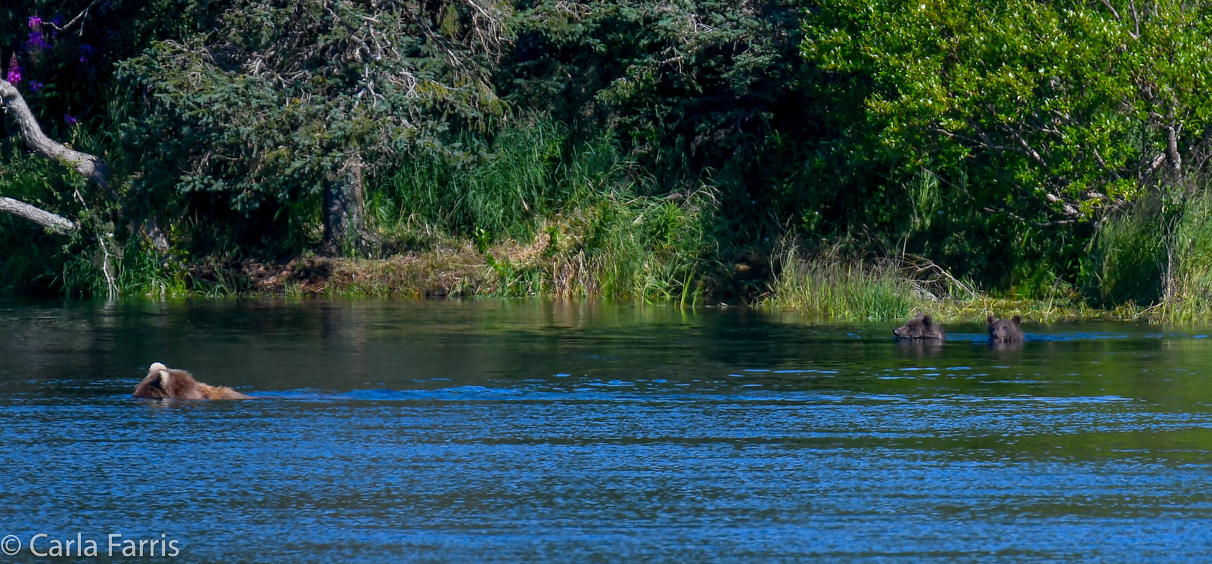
(830, 291)
(664, 250)
(892, 289)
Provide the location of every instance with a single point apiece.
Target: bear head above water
(163, 382)
(920, 327)
(1005, 330)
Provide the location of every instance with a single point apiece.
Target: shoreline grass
(828, 288)
(833, 291)
(622, 246)
(643, 250)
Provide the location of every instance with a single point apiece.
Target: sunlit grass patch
(1188, 291)
(828, 287)
(833, 289)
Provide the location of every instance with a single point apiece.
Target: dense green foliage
(1032, 115)
(652, 148)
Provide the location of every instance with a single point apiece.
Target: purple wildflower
(35, 23)
(69, 119)
(14, 70)
(35, 85)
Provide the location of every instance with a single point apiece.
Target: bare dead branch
(1027, 149)
(87, 165)
(1157, 162)
(56, 223)
(923, 265)
(79, 18)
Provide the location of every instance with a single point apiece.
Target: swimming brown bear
(163, 382)
(920, 327)
(1005, 330)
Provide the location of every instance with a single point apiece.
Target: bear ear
(927, 320)
(921, 314)
(164, 379)
(990, 319)
(1017, 319)
(156, 367)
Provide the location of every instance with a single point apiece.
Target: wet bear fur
(1005, 330)
(920, 327)
(163, 382)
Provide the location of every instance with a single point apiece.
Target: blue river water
(500, 431)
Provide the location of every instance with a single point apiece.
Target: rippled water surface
(501, 431)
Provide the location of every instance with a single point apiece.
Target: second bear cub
(1005, 330)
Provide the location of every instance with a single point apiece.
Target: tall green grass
(551, 216)
(1187, 292)
(1131, 258)
(497, 186)
(640, 247)
(135, 269)
(829, 287)
(1158, 255)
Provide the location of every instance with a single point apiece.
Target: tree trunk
(1172, 127)
(343, 210)
(1176, 160)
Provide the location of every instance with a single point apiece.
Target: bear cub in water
(1005, 330)
(920, 327)
(163, 382)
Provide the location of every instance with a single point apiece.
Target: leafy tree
(1046, 112)
(269, 105)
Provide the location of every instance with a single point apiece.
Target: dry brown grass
(445, 271)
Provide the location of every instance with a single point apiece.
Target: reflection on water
(919, 348)
(506, 431)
